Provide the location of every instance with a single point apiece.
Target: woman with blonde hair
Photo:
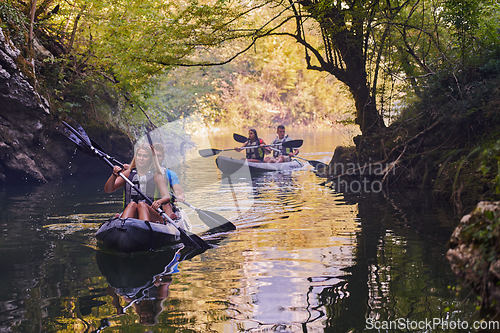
(145, 172)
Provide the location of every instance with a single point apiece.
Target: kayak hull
(230, 165)
(133, 235)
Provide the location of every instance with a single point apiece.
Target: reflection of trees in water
(273, 192)
(399, 268)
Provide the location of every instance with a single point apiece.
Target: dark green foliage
(490, 163)
(12, 19)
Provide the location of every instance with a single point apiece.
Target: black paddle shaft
(193, 239)
(212, 220)
(288, 144)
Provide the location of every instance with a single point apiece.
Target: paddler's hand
(169, 211)
(172, 215)
(116, 170)
(238, 149)
(156, 204)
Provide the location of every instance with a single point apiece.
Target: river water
(304, 257)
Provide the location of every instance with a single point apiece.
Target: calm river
(304, 258)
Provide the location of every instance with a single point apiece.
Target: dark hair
(281, 127)
(255, 133)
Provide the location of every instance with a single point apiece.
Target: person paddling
(170, 175)
(254, 154)
(173, 185)
(281, 154)
(146, 174)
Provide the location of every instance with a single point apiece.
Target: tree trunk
(367, 115)
(344, 38)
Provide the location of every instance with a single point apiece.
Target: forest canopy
(385, 53)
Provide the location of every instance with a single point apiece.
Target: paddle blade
(209, 152)
(79, 140)
(193, 240)
(293, 143)
(215, 221)
(96, 145)
(78, 130)
(240, 138)
(317, 164)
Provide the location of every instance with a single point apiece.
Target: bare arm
(241, 148)
(267, 150)
(114, 181)
(161, 184)
(179, 192)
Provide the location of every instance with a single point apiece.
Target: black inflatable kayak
(230, 165)
(134, 235)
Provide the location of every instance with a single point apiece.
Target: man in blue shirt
(170, 176)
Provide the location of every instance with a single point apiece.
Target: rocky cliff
(474, 253)
(31, 147)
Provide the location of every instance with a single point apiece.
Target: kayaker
(170, 175)
(281, 154)
(254, 154)
(147, 176)
(173, 185)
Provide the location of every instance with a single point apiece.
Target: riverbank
(446, 145)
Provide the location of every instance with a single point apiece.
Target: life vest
(279, 146)
(168, 178)
(130, 194)
(255, 153)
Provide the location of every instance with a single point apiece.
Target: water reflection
(296, 247)
(304, 258)
(140, 281)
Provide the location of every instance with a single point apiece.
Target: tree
(367, 44)
(358, 37)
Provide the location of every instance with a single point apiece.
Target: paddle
(240, 138)
(212, 220)
(288, 144)
(81, 139)
(212, 151)
(315, 164)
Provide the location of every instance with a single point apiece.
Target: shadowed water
(304, 258)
